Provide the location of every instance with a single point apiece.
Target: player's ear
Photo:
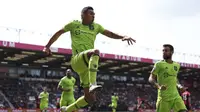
(82, 16)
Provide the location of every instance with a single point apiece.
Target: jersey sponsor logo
(167, 75)
(78, 32)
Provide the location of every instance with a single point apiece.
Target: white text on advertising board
(129, 58)
(8, 44)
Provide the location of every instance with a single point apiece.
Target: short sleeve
(155, 69)
(101, 29)
(61, 82)
(69, 26)
(41, 95)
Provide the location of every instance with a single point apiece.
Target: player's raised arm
(66, 28)
(55, 37)
(116, 36)
(52, 40)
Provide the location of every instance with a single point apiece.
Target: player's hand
(129, 40)
(162, 87)
(47, 51)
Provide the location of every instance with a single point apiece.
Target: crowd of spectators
(24, 93)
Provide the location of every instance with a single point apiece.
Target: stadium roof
(20, 54)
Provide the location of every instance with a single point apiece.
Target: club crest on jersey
(77, 32)
(175, 68)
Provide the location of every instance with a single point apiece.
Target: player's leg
(163, 106)
(82, 101)
(79, 64)
(91, 60)
(188, 108)
(179, 105)
(87, 60)
(71, 101)
(63, 102)
(58, 105)
(86, 64)
(93, 56)
(43, 108)
(114, 107)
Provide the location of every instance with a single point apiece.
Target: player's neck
(169, 61)
(86, 23)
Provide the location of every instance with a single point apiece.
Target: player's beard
(69, 76)
(167, 57)
(91, 22)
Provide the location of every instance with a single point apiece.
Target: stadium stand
(25, 69)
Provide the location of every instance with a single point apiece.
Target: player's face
(45, 89)
(167, 53)
(89, 16)
(69, 72)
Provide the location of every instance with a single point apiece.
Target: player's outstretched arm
(52, 40)
(55, 37)
(116, 36)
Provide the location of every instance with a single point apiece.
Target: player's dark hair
(170, 47)
(85, 9)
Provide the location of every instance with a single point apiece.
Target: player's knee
(96, 51)
(93, 52)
